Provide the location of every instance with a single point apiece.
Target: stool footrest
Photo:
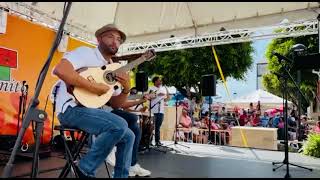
(62, 128)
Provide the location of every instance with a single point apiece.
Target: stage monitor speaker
(141, 81)
(208, 85)
(310, 61)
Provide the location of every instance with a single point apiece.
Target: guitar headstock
(149, 54)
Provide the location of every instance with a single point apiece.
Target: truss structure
(225, 37)
(292, 29)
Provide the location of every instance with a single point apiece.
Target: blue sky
(249, 84)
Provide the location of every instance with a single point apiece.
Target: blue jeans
(132, 121)
(158, 118)
(110, 129)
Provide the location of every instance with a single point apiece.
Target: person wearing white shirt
(157, 105)
(110, 129)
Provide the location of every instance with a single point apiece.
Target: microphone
(281, 57)
(22, 87)
(56, 90)
(57, 87)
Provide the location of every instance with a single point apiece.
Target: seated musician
(110, 129)
(137, 103)
(132, 120)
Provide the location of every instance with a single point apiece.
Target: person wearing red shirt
(256, 120)
(243, 118)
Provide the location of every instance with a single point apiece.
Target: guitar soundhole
(109, 77)
(116, 87)
(103, 67)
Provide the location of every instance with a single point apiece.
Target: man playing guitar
(111, 130)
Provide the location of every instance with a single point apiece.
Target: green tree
(308, 79)
(184, 68)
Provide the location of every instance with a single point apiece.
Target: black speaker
(141, 81)
(310, 61)
(208, 85)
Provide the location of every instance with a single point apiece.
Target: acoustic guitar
(105, 75)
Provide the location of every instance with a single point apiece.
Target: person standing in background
(157, 105)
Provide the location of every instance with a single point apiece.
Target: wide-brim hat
(110, 27)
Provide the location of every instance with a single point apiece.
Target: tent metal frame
(293, 29)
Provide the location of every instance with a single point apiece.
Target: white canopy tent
(267, 100)
(154, 21)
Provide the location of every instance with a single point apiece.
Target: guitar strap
(137, 106)
(157, 103)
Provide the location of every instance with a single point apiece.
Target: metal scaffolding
(288, 29)
(224, 37)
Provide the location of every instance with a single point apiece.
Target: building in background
(262, 69)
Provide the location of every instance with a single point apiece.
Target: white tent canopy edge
(153, 21)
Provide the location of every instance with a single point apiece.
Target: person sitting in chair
(316, 128)
(111, 130)
(185, 124)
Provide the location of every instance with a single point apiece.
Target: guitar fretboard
(132, 64)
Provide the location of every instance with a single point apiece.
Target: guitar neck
(131, 65)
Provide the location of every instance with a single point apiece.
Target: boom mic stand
(285, 75)
(33, 113)
(176, 129)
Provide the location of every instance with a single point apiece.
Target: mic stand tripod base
(176, 143)
(149, 146)
(160, 148)
(283, 163)
(39, 116)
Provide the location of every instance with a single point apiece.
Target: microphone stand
(33, 113)
(176, 130)
(21, 102)
(53, 111)
(209, 141)
(285, 75)
(25, 100)
(148, 147)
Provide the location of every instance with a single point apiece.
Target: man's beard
(107, 49)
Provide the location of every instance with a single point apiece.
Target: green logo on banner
(4, 73)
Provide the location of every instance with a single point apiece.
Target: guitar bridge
(91, 79)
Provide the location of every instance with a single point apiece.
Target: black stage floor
(202, 161)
